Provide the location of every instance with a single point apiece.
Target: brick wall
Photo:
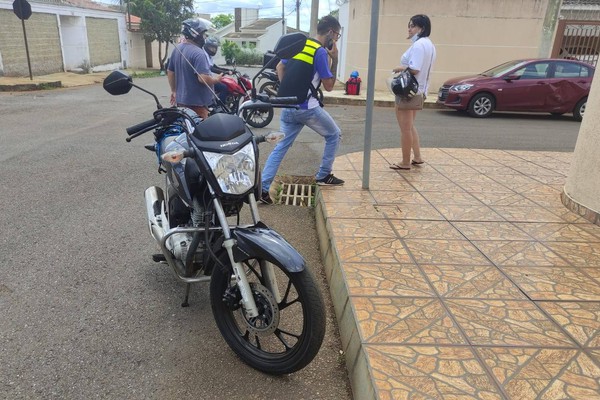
(103, 41)
(42, 38)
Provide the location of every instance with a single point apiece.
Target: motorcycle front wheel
(258, 118)
(287, 333)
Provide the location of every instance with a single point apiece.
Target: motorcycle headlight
(462, 87)
(235, 173)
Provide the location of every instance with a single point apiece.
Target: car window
(570, 70)
(533, 71)
(502, 68)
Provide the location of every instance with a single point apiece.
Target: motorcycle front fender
(262, 242)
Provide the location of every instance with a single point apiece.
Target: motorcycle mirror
(117, 83)
(274, 137)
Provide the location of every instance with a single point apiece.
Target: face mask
(414, 38)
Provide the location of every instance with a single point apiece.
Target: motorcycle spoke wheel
(287, 334)
(258, 118)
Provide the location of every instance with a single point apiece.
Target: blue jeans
(292, 122)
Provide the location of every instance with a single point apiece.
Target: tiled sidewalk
(464, 278)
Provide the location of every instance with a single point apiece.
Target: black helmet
(194, 29)
(405, 85)
(211, 46)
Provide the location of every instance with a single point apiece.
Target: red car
(556, 86)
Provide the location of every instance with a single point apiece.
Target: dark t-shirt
(190, 90)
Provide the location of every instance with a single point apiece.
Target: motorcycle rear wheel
(258, 118)
(286, 336)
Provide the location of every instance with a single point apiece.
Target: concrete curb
(343, 99)
(24, 87)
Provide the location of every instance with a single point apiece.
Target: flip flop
(399, 166)
(417, 162)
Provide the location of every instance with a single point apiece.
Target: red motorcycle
(238, 89)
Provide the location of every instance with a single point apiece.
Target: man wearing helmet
(189, 72)
(211, 46)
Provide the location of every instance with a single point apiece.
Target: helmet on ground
(195, 29)
(405, 85)
(354, 74)
(211, 46)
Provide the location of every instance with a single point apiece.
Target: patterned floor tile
(385, 280)
(361, 227)
(429, 372)
(472, 282)
(397, 183)
(515, 253)
(544, 373)
(580, 319)
(396, 320)
(468, 213)
(436, 186)
(454, 252)
(526, 214)
(491, 231)
(559, 232)
(504, 199)
(347, 196)
(565, 214)
(423, 229)
(506, 323)
(446, 198)
(554, 283)
(371, 250)
(397, 197)
(578, 254)
(345, 210)
(545, 200)
(412, 211)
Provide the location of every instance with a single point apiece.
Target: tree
(161, 21)
(229, 50)
(221, 20)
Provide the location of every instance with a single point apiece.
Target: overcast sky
(267, 8)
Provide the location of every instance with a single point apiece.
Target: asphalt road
(86, 314)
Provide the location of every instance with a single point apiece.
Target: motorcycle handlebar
(142, 127)
(283, 100)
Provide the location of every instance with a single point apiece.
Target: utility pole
(298, 14)
(283, 17)
(314, 17)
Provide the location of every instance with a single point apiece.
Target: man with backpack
(316, 64)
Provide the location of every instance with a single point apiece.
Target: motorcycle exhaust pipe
(155, 198)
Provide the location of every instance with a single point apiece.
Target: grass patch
(145, 74)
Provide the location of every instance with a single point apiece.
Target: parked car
(556, 86)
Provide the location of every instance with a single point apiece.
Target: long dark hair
(423, 22)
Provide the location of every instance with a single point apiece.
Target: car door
(524, 89)
(569, 82)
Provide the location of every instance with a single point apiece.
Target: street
(87, 314)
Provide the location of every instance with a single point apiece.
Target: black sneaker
(265, 198)
(330, 180)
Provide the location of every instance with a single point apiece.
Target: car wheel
(579, 109)
(481, 105)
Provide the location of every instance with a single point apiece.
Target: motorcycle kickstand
(187, 295)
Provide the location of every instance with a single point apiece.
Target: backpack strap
(307, 55)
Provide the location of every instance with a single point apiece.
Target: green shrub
(248, 57)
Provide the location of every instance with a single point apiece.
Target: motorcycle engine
(179, 245)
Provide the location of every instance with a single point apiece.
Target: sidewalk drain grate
(297, 194)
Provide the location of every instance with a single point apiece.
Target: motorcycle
(238, 90)
(271, 86)
(265, 301)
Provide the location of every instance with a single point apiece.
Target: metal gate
(577, 40)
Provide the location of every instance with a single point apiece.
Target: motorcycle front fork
(267, 270)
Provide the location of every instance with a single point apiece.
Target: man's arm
(209, 79)
(280, 68)
(172, 85)
(328, 83)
